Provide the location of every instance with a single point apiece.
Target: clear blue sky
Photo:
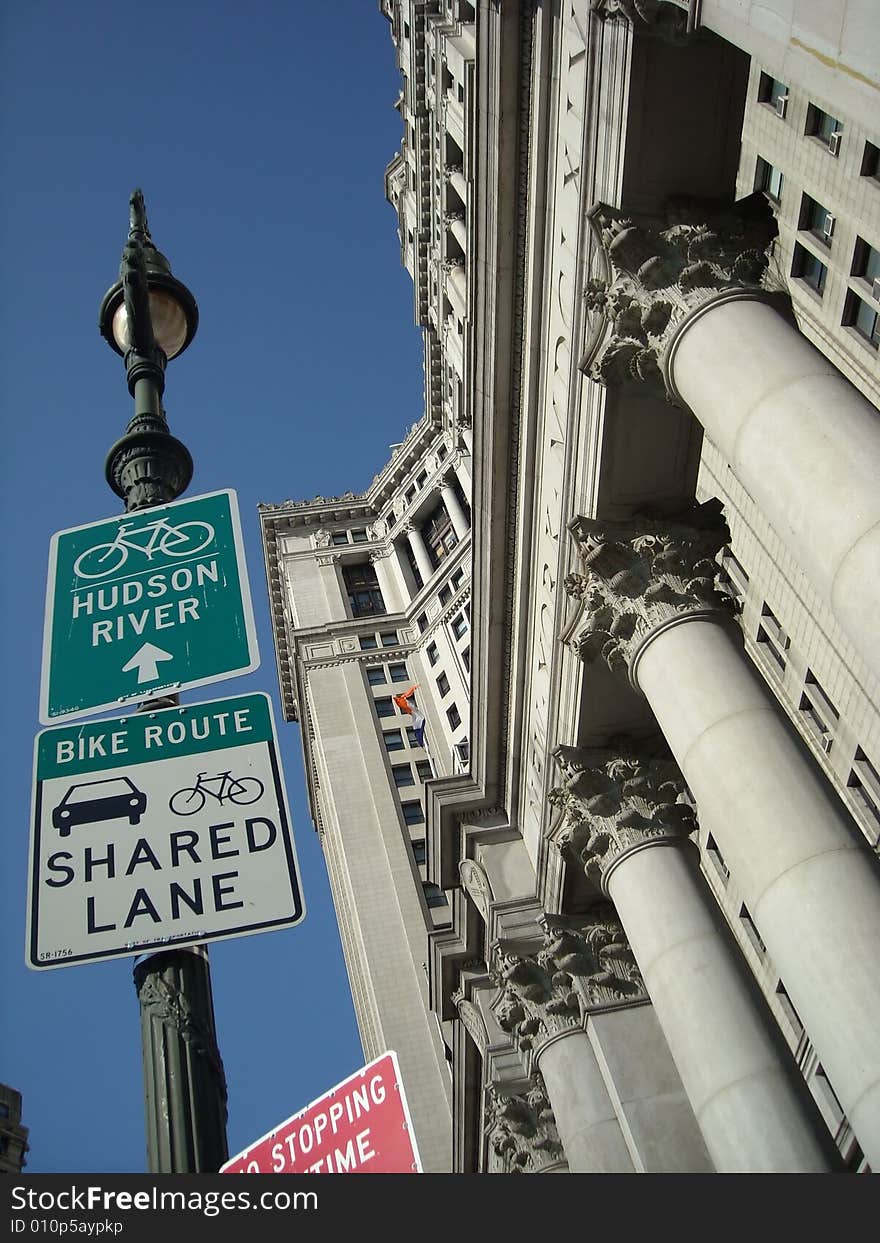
(259, 133)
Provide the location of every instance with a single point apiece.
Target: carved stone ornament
(538, 998)
(478, 886)
(617, 799)
(473, 1021)
(521, 1129)
(663, 270)
(329, 558)
(321, 539)
(666, 21)
(641, 574)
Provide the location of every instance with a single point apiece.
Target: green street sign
(159, 828)
(151, 602)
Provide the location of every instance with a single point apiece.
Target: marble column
(453, 507)
(650, 609)
(688, 317)
(541, 1009)
(420, 551)
(626, 823)
(392, 595)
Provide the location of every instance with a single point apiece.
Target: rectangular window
(421, 479)
(773, 642)
(388, 638)
(403, 775)
(445, 593)
(773, 93)
(339, 537)
(384, 706)
(751, 931)
(463, 751)
(458, 625)
(439, 534)
(412, 812)
(769, 179)
(411, 736)
(807, 268)
(732, 577)
(715, 857)
(420, 850)
(376, 675)
(423, 768)
(359, 536)
(453, 717)
(432, 654)
(398, 672)
(871, 161)
(815, 218)
(443, 685)
(819, 712)
(434, 895)
(826, 128)
(393, 740)
(422, 623)
(794, 1019)
(364, 596)
(441, 453)
(866, 262)
(862, 316)
(457, 579)
(863, 784)
(367, 642)
(466, 659)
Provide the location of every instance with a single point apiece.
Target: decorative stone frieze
(618, 799)
(642, 574)
(321, 539)
(329, 558)
(664, 270)
(538, 997)
(521, 1129)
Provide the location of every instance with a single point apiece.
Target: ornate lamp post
(149, 317)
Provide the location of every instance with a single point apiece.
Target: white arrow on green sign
(159, 828)
(149, 602)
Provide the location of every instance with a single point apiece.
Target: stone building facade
(13, 1136)
(622, 914)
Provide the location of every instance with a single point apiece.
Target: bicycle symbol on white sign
(184, 540)
(241, 790)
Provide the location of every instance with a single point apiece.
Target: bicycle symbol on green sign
(241, 790)
(184, 540)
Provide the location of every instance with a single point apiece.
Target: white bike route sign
(149, 602)
(159, 828)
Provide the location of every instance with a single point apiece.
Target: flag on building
(404, 703)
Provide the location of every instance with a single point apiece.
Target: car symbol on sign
(90, 801)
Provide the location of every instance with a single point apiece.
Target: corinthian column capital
(661, 271)
(616, 800)
(534, 1003)
(521, 1129)
(583, 964)
(642, 575)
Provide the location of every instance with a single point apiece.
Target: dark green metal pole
(184, 1083)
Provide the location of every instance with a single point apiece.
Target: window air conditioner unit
(834, 141)
(828, 226)
(875, 289)
(781, 105)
